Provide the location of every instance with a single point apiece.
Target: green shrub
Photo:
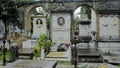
(118, 66)
(7, 55)
(36, 51)
(42, 41)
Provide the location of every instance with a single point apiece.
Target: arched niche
(28, 14)
(94, 21)
(94, 17)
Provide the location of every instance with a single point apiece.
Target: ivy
(87, 10)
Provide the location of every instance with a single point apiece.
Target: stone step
(56, 59)
(56, 55)
(24, 57)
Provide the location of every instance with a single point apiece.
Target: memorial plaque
(109, 26)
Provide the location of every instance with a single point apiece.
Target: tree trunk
(5, 23)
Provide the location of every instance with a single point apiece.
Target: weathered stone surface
(96, 65)
(32, 64)
(64, 66)
(57, 55)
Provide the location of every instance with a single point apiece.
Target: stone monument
(39, 25)
(84, 26)
(61, 24)
(60, 32)
(109, 27)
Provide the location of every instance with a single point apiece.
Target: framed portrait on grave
(61, 21)
(39, 22)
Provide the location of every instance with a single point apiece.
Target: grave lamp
(75, 41)
(94, 34)
(77, 32)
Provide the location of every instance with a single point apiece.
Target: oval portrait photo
(39, 22)
(61, 21)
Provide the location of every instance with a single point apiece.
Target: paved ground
(96, 65)
(80, 65)
(58, 66)
(89, 65)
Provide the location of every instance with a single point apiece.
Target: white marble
(109, 26)
(84, 30)
(42, 53)
(60, 33)
(106, 46)
(29, 43)
(37, 30)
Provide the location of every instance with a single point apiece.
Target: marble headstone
(39, 26)
(61, 27)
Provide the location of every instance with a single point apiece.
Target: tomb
(86, 51)
(39, 25)
(60, 33)
(109, 40)
(32, 64)
(61, 25)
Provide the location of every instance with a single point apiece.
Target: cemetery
(60, 34)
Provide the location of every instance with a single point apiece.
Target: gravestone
(61, 25)
(85, 32)
(61, 18)
(39, 25)
(84, 26)
(109, 25)
(109, 28)
(32, 64)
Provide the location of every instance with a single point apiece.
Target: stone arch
(97, 18)
(50, 6)
(84, 4)
(96, 13)
(28, 14)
